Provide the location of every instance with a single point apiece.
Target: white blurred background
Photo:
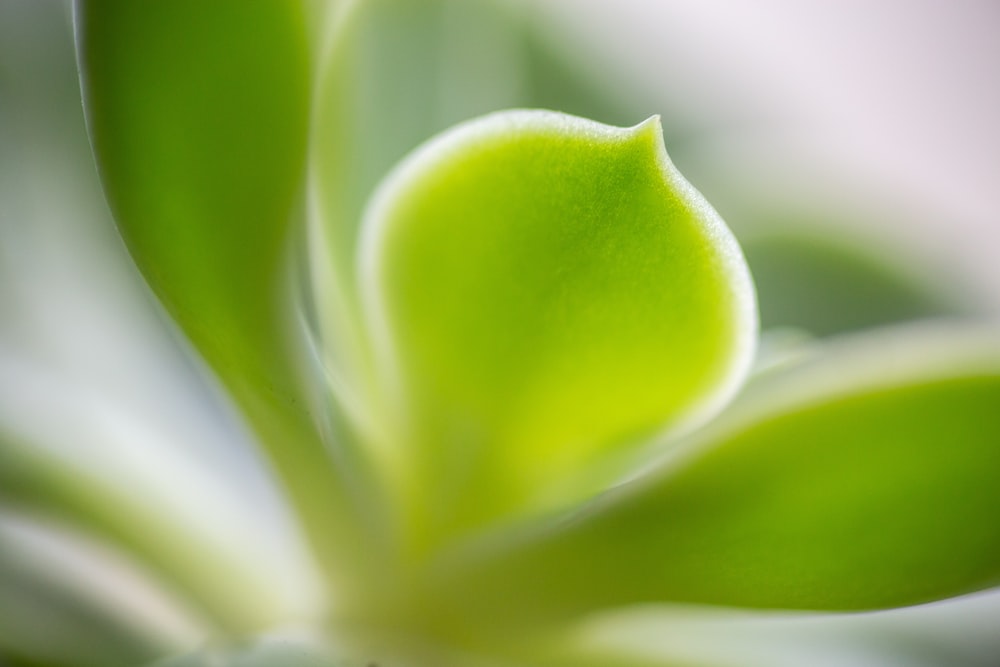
(885, 109)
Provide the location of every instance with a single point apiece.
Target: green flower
(499, 391)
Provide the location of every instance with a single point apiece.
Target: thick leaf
(190, 564)
(198, 114)
(65, 605)
(393, 74)
(956, 633)
(545, 291)
(863, 479)
(396, 72)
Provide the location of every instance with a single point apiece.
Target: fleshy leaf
(958, 633)
(213, 583)
(862, 479)
(544, 291)
(57, 608)
(120, 505)
(198, 114)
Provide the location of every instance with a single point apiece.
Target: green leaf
(198, 114)
(263, 653)
(191, 564)
(353, 649)
(956, 633)
(50, 617)
(391, 77)
(862, 479)
(394, 73)
(546, 292)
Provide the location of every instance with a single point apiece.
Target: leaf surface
(49, 617)
(286, 655)
(864, 478)
(544, 292)
(198, 114)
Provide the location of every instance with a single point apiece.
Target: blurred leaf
(192, 566)
(389, 650)
(828, 287)
(401, 71)
(547, 291)
(955, 633)
(60, 480)
(50, 619)
(265, 653)
(569, 649)
(198, 114)
(862, 479)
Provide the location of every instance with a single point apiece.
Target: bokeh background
(853, 147)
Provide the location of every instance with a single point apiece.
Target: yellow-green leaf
(51, 616)
(545, 292)
(864, 478)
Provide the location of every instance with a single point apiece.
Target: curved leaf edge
(494, 127)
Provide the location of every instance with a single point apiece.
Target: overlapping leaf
(50, 616)
(861, 480)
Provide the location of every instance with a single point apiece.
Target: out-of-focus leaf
(862, 479)
(829, 287)
(51, 617)
(70, 452)
(93, 390)
(954, 633)
(294, 651)
(190, 565)
(399, 71)
(265, 653)
(198, 114)
(394, 73)
(574, 649)
(545, 292)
